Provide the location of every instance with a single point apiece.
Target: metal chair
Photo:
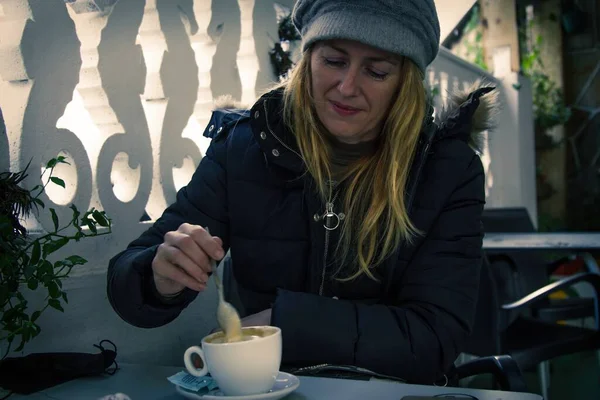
(530, 341)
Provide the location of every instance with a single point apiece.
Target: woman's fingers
(168, 271)
(179, 259)
(212, 247)
(190, 248)
(184, 259)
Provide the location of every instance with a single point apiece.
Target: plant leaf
(21, 345)
(99, 218)
(51, 163)
(76, 260)
(36, 252)
(35, 315)
(56, 305)
(39, 202)
(54, 219)
(92, 226)
(6, 228)
(45, 268)
(64, 296)
(9, 315)
(32, 284)
(57, 181)
(76, 212)
(28, 271)
(24, 259)
(54, 245)
(53, 290)
(4, 295)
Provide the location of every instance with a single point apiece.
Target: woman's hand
(183, 259)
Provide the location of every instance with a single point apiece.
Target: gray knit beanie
(406, 27)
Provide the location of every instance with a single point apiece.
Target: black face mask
(39, 371)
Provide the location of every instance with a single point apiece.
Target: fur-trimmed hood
(473, 111)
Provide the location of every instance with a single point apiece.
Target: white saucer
(284, 384)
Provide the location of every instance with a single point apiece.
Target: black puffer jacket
(250, 190)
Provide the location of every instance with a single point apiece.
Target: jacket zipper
(328, 207)
(328, 214)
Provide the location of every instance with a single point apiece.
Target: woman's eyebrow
(391, 60)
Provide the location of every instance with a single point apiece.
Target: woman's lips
(343, 110)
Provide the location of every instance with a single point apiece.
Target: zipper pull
(328, 215)
(329, 209)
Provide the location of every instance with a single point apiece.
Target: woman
(352, 219)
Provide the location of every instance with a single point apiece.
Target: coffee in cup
(245, 367)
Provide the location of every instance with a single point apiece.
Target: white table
(571, 241)
(145, 382)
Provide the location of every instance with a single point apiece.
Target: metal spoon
(227, 316)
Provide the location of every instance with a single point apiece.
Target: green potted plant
(28, 262)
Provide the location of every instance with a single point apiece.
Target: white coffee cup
(240, 368)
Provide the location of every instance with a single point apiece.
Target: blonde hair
(374, 200)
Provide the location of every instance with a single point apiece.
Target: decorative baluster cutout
(264, 31)
(125, 161)
(54, 67)
(203, 41)
(154, 46)
(90, 6)
(247, 59)
(180, 81)
(14, 83)
(204, 49)
(152, 40)
(89, 24)
(89, 115)
(225, 29)
(14, 16)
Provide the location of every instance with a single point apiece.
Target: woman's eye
(377, 75)
(334, 63)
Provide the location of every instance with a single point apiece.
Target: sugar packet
(191, 382)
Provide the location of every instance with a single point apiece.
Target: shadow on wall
(51, 91)
(122, 70)
(224, 75)
(262, 16)
(179, 76)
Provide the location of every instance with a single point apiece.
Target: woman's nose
(348, 85)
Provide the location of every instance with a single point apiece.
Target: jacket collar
(465, 116)
(272, 135)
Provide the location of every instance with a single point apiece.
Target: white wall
(125, 93)
(509, 159)
(450, 12)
